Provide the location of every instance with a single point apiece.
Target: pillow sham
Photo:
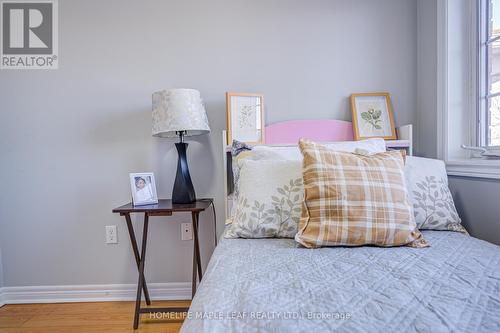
(428, 190)
(269, 201)
(353, 200)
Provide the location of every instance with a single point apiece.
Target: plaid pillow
(352, 199)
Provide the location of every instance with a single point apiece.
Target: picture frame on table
(245, 117)
(372, 116)
(143, 188)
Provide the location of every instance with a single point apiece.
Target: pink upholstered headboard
(289, 132)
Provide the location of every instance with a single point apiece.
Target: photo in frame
(143, 188)
(372, 116)
(245, 117)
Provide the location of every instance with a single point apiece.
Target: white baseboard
(2, 303)
(92, 293)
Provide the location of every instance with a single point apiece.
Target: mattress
(272, 285)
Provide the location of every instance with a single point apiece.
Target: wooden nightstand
(162, 208)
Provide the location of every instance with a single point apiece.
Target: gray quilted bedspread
(271, 285)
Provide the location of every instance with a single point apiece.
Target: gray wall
(1, 272)
(477, 202)
(426, 127)
(70, 137)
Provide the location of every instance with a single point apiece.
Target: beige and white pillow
(353, 200)
(269, 200)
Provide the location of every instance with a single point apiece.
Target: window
(461, 83)
(489, 110)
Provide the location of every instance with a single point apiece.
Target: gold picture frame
(372, 116)
(245, 117)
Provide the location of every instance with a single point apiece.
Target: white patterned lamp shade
(179, 110)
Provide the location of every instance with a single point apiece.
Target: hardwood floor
(112, 317)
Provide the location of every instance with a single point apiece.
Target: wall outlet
(186, 231)
(111, 234)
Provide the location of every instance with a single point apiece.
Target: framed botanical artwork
(245, 117)
(372, 116)
(143, 188)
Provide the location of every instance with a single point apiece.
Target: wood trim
(473, 65)
(450, 134)
(355, 126)
(92, 293)
(160, 213)
(442, 80)
(488, 169)
(228, 115)
(2, 302)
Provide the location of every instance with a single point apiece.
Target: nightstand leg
(196, 217)
(140, 285)
(136, 254)
(196, 253)
(193, 283)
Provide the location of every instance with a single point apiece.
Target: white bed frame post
(224, 160)
(405, 132)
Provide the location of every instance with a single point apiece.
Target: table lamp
(180, 113)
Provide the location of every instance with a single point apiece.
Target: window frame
(484, 96)
(458, 125)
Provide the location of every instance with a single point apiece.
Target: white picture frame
(143, 188)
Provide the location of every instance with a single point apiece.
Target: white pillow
(430, 196)
(269, 201)
(371, 146)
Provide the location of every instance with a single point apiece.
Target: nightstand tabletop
(165, 206)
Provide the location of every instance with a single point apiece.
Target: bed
(272, 285)
(275, 285)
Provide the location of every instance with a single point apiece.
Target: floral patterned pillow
(269, 200)
(433, 204)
